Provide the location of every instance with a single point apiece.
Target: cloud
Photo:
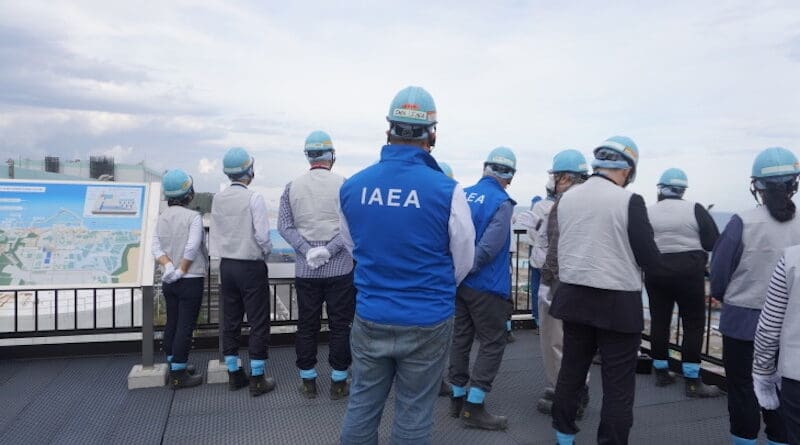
(205, 165)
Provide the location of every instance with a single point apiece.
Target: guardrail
(29, 314)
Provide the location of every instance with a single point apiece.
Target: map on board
(70, 234)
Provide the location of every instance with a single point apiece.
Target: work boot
(444, 389)
(261, 385)
(308, 388)
(549, 394)
(339, 390)
(696, 388)
(182, 379)
(456, 404)
(544, 406)
(510, 338)
(474, 415)
(237, 379)
(664, 377)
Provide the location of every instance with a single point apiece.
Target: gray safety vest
(314, 198)
(231, 232)
(675, 226)
(593, 245)
(789, 354)
(763, 240)
(173, 233)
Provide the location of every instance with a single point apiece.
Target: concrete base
(218, 372)
(141, 377)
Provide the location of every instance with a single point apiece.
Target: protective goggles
(502, 169)
(607, 154)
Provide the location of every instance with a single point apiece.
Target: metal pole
(147, 326)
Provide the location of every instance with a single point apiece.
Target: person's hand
(766, 388)
(317, 256)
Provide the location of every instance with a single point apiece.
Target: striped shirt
(770, 322)
(341, 263)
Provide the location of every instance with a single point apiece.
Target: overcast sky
(702, 86)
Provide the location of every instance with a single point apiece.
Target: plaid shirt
(341, 263)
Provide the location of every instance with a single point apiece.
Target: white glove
(766, 388)
(169, 271)
(317, 256)
(525, 219)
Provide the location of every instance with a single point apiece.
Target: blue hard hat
(446, 169)
(502, 156)
(413, 106)
(617, 152)
(177, 183)
(571, 161)
(237, 161)
(318, 141)
(674, 177)
(775, 161)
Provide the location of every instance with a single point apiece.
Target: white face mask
(551, 185)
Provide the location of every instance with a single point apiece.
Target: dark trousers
(533, 288)
(183, 299)
(339, 296)
(244, 289)
(689, 292)
(481, 315)
(745, 413)
(790, 409)
(619, 353)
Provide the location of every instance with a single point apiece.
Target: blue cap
(237, 161)
(571, 161)
(177, 183)
(674, 177)
(775, 161)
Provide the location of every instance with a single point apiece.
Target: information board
(72, 234)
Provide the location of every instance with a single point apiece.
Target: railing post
(147, 326)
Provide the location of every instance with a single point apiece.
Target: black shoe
(664, 377)
(510, 338)
(339, 390)
(549, 394)
(474, 415)
(261, 385)
(237, 379)
(544, 406)
(696, 388)
(182, 379)
(597, 359)
(456, 404)
(444, 389)
(308, 388)
(191, 369)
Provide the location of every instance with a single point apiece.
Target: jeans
(339, 295)
(533, 288)
(410, 356)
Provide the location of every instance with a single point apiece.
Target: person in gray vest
(604, 242)
(239, 236)
(684, 232)
(744, 257)
(309, 221)
(778, 335)
(569, 168)
(179, 239)
(483, 300)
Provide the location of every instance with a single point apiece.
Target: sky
(703, 86)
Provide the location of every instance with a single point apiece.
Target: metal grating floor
(86, 401)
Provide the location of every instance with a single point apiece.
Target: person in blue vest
(744, 258)
(179, 239)
(239, 236)
(483, 300)
(684, 232)
(409, 229)
(308, 220)
(604, 242)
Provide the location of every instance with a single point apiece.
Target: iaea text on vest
(390, 198)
